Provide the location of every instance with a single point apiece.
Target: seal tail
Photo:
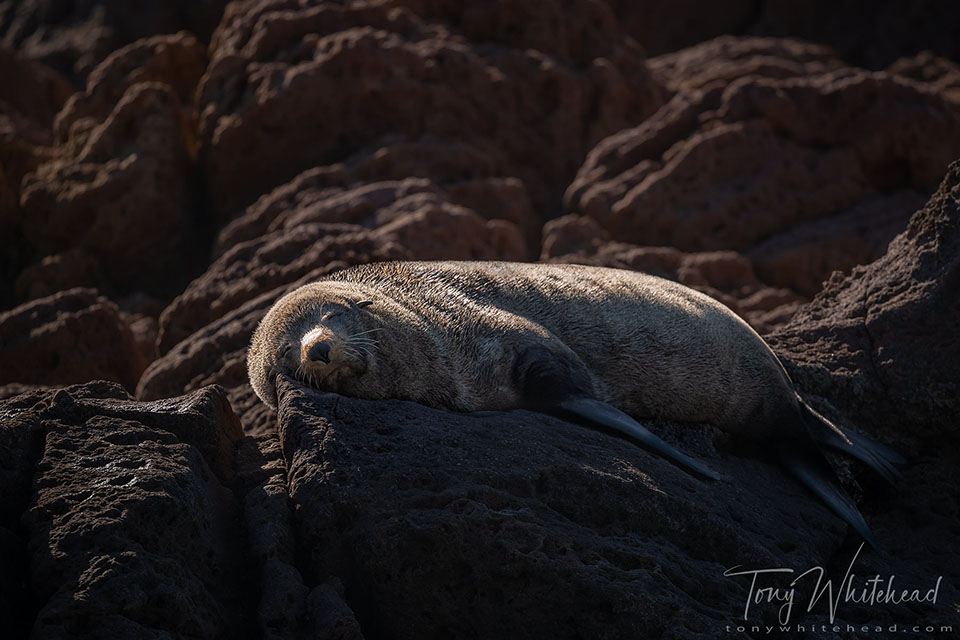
(801, 458)
(881, 459)
(606, 417)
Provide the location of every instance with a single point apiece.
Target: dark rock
(322, 229)
(70, 337)
(751, 166)
(721, 61)
(868, 34)
(30, 96)
(941, 74)
(883, 343)
(445, 525)
(74, 37)
(119, 190)
(131, 529)
(344, 77)
(724, 275)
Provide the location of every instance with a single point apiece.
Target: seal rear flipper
(804, 461)
(878, 457)
(607, 417)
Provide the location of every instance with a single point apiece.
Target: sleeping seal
(593, 345)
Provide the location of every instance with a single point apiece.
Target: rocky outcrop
(119, 192)
(355, 76)
(129, 526)
(803, 175)
(724, 275)
(30, 96)
(883, 343)
(69, 337)
(311, 228)
(75, 37)
(721, 61)
(942, 75)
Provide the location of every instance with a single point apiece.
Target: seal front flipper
(801, 458)
(608, 418)
(553, 382)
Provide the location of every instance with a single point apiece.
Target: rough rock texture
(721, 61)
(216, 354)
(443, 525)
(311, 135)
(130, 527)
(344, 77)
(74, 37)
(30, 96)
(751, 166)
(312, 228)
(69, 337)
(724, 275)
(886, 339)
(941, 74)
(119, 189)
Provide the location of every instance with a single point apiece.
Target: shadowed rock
(69, 337)
(803, 175)
(131, 528)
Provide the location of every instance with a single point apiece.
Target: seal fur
(599, 346)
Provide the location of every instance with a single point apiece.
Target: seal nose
(319, 351)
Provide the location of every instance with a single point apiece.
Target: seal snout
(319, 352)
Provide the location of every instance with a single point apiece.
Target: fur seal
(593, 345)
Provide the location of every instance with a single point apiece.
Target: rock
(286, 603)
(69, 337)
(751, 166)
(721, 61)
(941, 74)
(217, 354)
(131, 527)
(346, 77)
(30, 96)
(724, 275)
(176, 60)
(440, 524)
(309, 228)
(882, 343)
(75, 37)
(120, 190)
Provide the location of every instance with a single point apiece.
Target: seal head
(322, 334)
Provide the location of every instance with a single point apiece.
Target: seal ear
(365, 303)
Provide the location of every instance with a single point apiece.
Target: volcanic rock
(312, 228)
(345, 76)
(30, 96)
(120, 186)
(724, 275)
(69, 337)
(883, 342)
(748, 167)
(75, 37)
(130, 526)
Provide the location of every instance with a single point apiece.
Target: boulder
(345, 77)
(69, 337)
(803, 175)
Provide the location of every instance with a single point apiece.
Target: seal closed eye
(601, 347)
